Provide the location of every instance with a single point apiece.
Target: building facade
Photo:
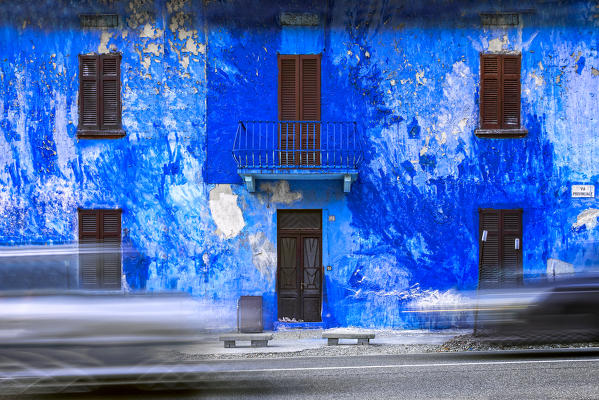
(425, 148)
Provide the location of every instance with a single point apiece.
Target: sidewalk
(309, 342)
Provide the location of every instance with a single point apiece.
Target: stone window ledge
(501, 133)
(100, 134)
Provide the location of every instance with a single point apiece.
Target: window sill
(100, 134)
(501, 133)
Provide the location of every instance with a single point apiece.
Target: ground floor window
(500, 248)
(100, 249)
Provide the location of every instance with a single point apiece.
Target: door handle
(517, 244)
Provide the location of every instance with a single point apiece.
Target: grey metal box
(249, 314)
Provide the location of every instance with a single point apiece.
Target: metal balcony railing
(313, 146)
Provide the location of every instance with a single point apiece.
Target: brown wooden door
(500, 246)
(299, 265)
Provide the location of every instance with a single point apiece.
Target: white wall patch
(225, 212)
(588, 218)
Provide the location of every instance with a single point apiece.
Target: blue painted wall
(408, 74)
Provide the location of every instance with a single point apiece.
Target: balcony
(314, 150)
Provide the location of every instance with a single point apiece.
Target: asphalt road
(497, 375)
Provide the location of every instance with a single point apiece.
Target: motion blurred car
(56, 336)
(564, 311)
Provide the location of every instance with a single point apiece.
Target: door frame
(300, 234)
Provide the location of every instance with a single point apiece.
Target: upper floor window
(100, 96)
(500, 96)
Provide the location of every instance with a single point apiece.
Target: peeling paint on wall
(225, 212)
(587, 218)
(279, 193)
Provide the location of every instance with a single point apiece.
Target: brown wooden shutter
(111, 249)
(511, 230)
(490, 88)
(289, 100)
(310, 108)
(100, 253)
(89, 240)
(490, 264)
(89, 70)
(511, 91)
(110, 98)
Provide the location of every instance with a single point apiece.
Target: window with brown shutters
(500, 247)
(299, 109)
(100, 249)
(500, 96)
(100, 96)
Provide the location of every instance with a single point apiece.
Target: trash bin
(249, 314)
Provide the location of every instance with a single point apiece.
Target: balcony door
(299, 265)
(299, 110)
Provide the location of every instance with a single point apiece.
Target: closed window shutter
(289, 81)
(511, 257)
(111, 249)
(500, 260)
(490, 99)
(489, 270)
(110, 99)
(511, 91)
(88, 92)
(89, 239)
(100, 253)
(310, 108)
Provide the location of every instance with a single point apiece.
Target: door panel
(312, 280)
(289, 270)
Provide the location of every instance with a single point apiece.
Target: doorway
(299, 265)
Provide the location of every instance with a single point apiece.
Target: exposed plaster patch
(462, 124)
(150, 32)
(279, 192)
(496, 45)
(146, 62)
(594, 71)
(539, 80)
(192, 47)
(588, 218)
(225, 212)
(264, 255)
(420, 78)
(154, 48)
(103, 47)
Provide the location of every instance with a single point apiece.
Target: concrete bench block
(256, 339)
(333, 336)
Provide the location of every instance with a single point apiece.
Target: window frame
(100, 130)
(501, 131)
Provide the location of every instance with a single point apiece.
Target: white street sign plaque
(583, 190)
